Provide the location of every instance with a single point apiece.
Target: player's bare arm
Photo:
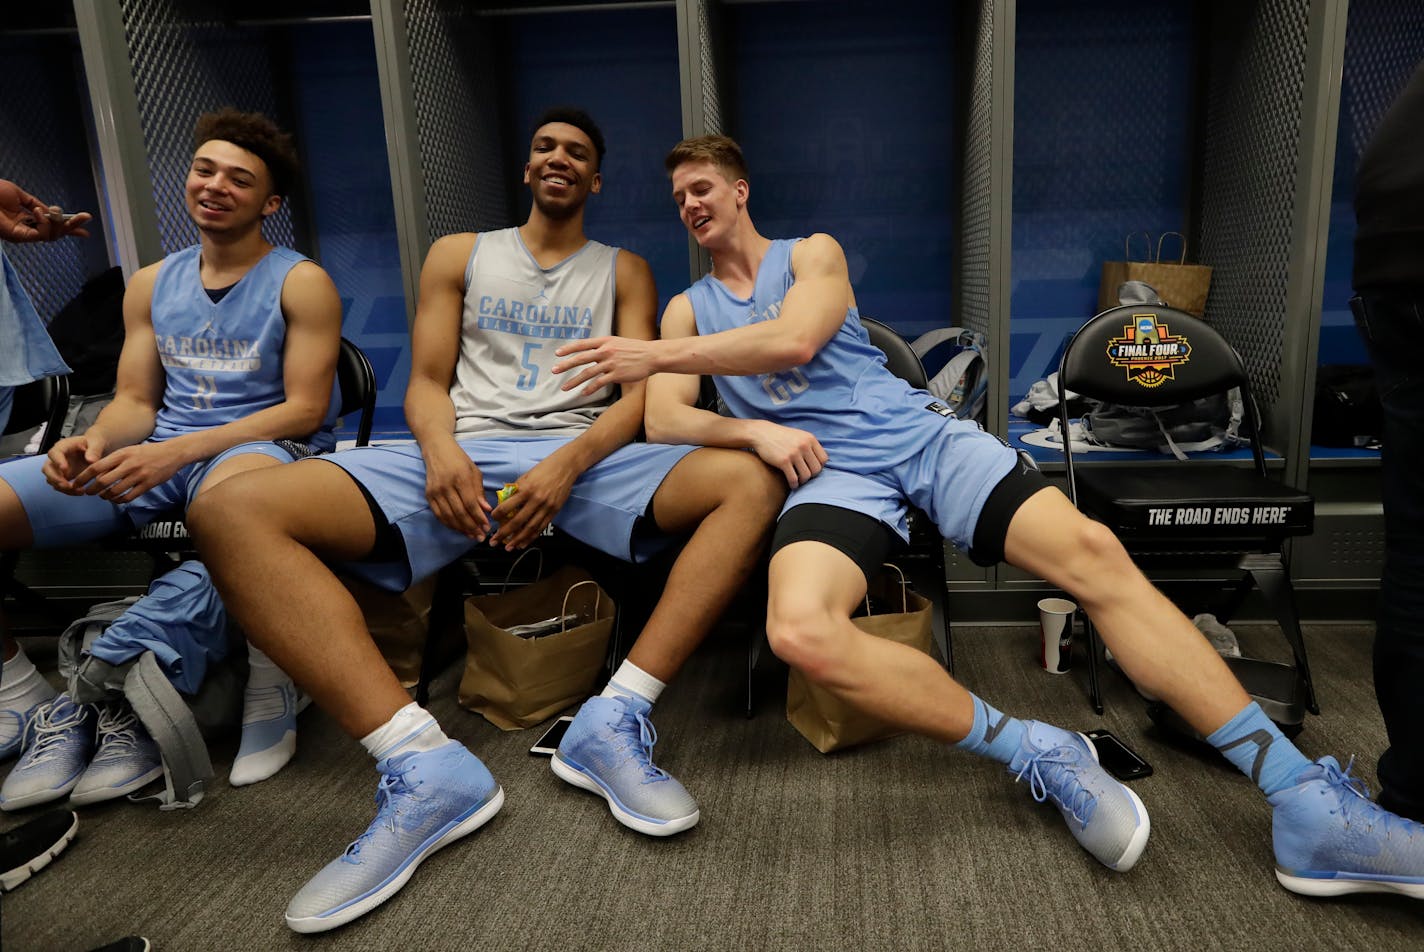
(544, 489)
(138, 391)
(312, 310)
(453, 483)
(672, 415)
(813, 311)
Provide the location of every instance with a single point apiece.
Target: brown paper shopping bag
(824, 719)
(399, 623)
(517, 682)
(1180, 285)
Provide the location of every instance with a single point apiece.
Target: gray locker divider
(1325, 60)
(120, 135)
(1261, 181)
(982, 279)
(700, 69)
(437, 77)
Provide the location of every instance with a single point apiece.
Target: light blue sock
(994, 735)
(1258, 749)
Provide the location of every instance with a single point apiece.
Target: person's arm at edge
(813, 310)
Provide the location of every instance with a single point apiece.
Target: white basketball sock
(629, 678)
(410, 728)
(270, 705)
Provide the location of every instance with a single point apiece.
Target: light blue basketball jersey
(867, 419)
(222, 361)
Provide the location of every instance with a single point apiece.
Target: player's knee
(230, 506)
(1102, 566)
(762, 489)
(805, 640)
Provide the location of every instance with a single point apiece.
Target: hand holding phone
(1117, 758)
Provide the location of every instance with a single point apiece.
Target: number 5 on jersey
(526, 380)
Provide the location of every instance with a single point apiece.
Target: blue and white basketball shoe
(1107, 819)
(608, 750)
(426, 800)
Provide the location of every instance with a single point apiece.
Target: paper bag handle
(597, 599)
(1127, 245)
(509, 576)
(904, 587)
(1182, 258)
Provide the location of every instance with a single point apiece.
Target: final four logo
(1148, 351)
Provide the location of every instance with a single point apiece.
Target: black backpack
(1347, 407)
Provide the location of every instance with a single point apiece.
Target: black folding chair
(924, 557)
(1195, 514)
(44, 401)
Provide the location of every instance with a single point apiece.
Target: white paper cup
(1055, 623)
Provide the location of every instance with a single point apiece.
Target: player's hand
(602, 361)
(25, 218)
(455, 489)
(129, 472)
(70, 456)
(796, 453)
(531, 509)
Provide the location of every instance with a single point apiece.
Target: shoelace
(117, 730)
(47, 731)
(647, 737)
(391, 785)
(1361, 806)
(1058, 762)
(264, 704)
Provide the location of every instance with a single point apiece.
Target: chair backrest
(900, 358)
(1145, 355)
(46, 401)
(357, 383)
(1148, 355)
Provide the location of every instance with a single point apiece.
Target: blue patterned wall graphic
(849, 130)
(1384, 43)
(1102, 144)
(343, 148)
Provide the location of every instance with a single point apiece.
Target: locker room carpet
(901, 845)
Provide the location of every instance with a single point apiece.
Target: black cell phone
(547, 745)
(1117, 758)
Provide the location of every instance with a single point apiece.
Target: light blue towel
(26, 352)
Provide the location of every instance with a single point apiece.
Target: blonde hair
(721, 151)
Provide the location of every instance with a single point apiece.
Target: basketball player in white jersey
(230, 345)
(776, 324)
(486, 411)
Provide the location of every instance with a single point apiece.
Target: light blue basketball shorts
(602, 509)
(950, 477)
(57, 519)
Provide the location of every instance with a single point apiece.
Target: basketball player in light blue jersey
(230, 345)
(776, 323)
(486, 411)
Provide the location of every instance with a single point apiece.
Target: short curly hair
(258, 135)
(576, 117)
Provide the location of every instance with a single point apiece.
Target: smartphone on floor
(1117, 758)
(549, 743)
